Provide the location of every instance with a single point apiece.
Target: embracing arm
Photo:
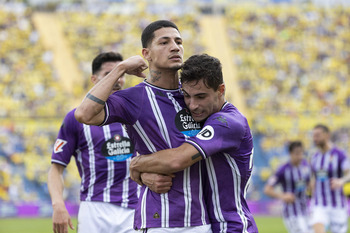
(60, 217)
(164, 162)
(91, 110)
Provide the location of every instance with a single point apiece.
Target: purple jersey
(332, 164)
(226, 144)
(293, 179)
(104, 178)
(155, 121)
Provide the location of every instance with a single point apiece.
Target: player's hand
(135, 175)
(157, 183)
(61, 219)
(134, 65)
(336, 183)
(288, 197)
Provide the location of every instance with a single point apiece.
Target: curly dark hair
(204, 67)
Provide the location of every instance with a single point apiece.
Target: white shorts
(334, 219)
(104, 217)
(196, 229)
(297, 224)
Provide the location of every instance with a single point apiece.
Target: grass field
(43, 225)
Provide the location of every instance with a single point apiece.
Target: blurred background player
(294, 177)
(225, 142)
(108, 195)
(149, 112)
(330, 169)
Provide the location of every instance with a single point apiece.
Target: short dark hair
(204, 67)
(293, 145)
(148, 33)
(105, 57)
(323, 127)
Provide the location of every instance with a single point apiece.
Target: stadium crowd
(300, 58)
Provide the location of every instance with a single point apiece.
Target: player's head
(296, 151)
(203, 85)
(162, 45)
(321, 135)
(103, 64)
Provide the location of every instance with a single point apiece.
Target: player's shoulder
(229, 116)
(339, 152)
(70, 118)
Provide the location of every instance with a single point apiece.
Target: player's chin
(176, 66)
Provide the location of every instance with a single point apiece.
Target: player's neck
(295, 163)
(167, 79)
(326, 147)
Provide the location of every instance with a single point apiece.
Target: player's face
(297, 155)
(166, 50)
(201, 100)
(320, 137)
(105, 69)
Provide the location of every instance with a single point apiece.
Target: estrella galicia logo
(206, 133)
(186, 124)
(118, 148)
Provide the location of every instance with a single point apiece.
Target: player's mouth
(176, 58)
(196, 115)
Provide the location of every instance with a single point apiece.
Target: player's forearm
(167, 161)
(91, 110)
(269, 191)
(159, 162)
(56, 186)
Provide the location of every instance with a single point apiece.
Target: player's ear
(93, 79)
(146, 54)
(221, 89)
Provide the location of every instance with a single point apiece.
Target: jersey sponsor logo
(186, 124)
(206, 133)
(59, 144)
(300, 186)
(221, 119)
(322, 175)
(118, 148)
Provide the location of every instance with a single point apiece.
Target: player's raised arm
(91, 110)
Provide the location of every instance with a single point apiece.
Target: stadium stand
(292, 64)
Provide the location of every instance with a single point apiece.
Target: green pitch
(44, 225)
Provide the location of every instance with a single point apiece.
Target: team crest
(59, 144)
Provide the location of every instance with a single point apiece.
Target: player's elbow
(267, 190)
(83, 116)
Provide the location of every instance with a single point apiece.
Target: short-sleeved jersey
(153, 116)
(102, 179)
(293, 179)
(326, 166)
(226, 144)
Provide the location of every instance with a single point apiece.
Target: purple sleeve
(277, 177)
(124, 106)
(66, 142)
(217, 136)
(344, 161)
